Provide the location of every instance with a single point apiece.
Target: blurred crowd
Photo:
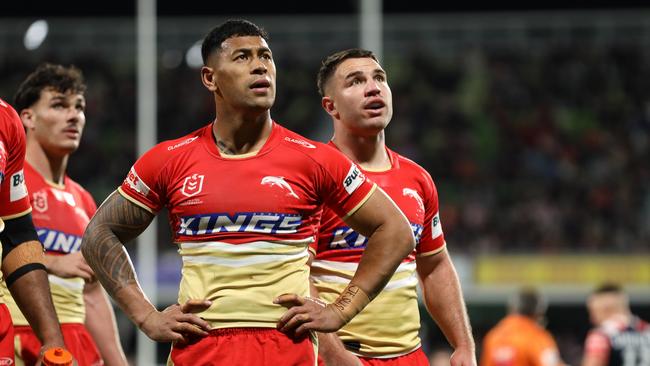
(541, 149)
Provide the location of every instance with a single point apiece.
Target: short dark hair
(608, 288)
(230, 28)
(48, 76)
(331, 62)
(529, 302)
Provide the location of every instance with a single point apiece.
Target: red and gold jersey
(389, 325)
(519, 341)
(243, 224)
(61, 214)
(13, 192)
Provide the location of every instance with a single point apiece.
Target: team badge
(280, 182)
(192, 185)
(408, 192)
(39, 202)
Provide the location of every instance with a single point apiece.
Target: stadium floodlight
(36, 34)
(193, 56)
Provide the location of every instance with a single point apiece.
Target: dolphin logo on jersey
(409, 192)
(39, 201)
(192, 185)
(280, 182)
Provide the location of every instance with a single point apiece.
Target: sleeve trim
(358, 206)
(9, 217)
(433, 252)
(133, 200)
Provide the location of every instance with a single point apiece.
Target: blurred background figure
(520, 338)
(51, 104)
(619, 338)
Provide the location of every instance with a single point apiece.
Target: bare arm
(444, 301)
(116, 222)
(31, 292)
(390, 239)
(330, 347)
(100, 321)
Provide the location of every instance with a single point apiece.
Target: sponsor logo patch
(251, 222)
(346, 238)
(192, 185)
(6, 361)
(58, 241)
(353, 179)
(183, 143)
(300, 142)
(436, 226)
(18, 189)
(134, 181)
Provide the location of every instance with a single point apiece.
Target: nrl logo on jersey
(39, 202)
(280, 182)
(192, 185)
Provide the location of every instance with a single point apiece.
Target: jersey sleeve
(143, 185)
(90, 206)
(545, 352)
(343, 186)
(14, 200)
(597, 346)
(433, 239)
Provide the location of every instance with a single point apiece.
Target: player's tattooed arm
(115, 223)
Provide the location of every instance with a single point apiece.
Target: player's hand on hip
(305, 314)
(463, 356)
(177, 323)
(69, 266)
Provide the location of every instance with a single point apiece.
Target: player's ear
(27, 117)
(329, 106)
(208, 78)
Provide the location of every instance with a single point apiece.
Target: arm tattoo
(116, 222)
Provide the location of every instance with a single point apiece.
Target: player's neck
(51, 167)
(367, 151)
(237, 135)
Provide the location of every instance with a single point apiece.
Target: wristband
(350, 302)
(23, 271)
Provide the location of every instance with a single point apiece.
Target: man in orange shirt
(519, 339)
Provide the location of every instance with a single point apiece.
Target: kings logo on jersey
(192, 185)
